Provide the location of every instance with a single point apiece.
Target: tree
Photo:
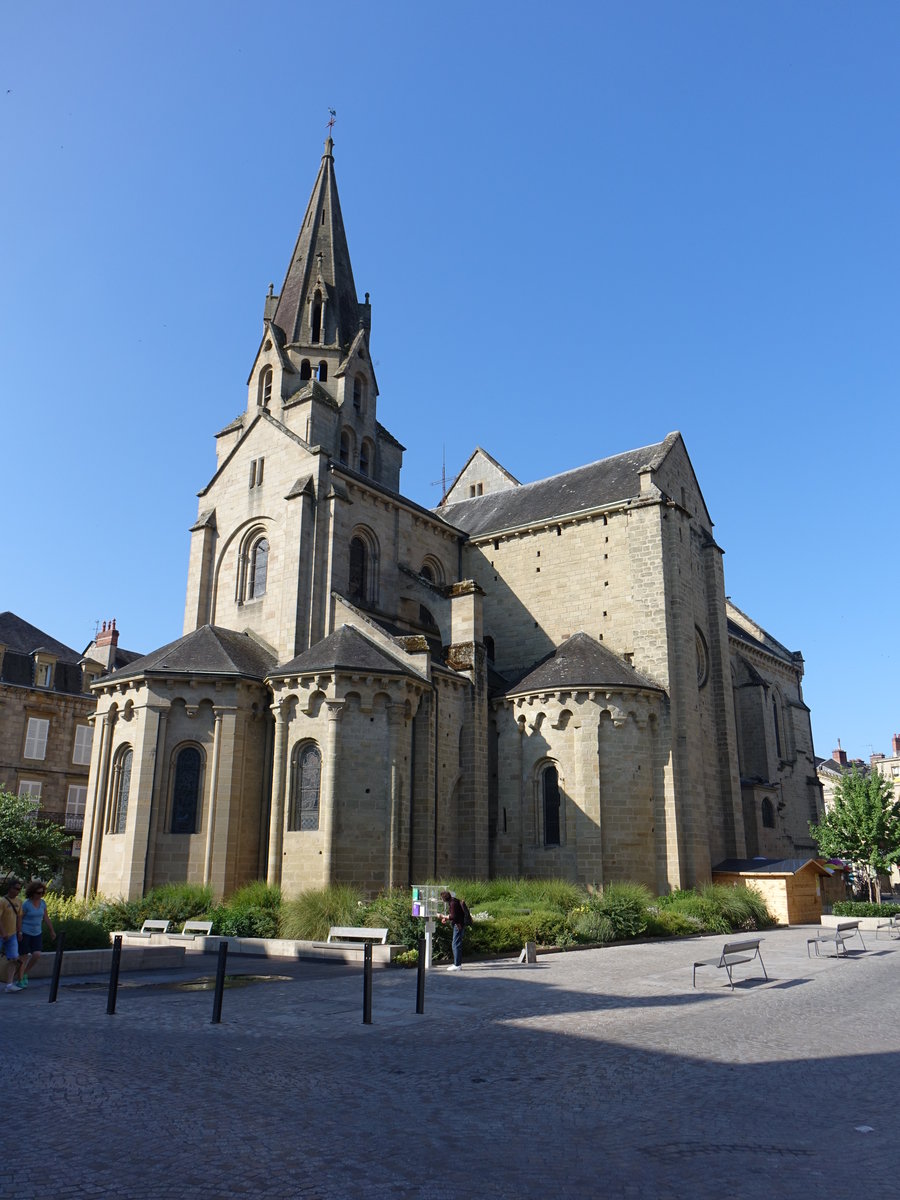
(29, 847)
(863, 826)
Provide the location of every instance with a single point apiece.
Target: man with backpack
(457, 914)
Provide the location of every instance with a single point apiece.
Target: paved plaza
(594, 1074)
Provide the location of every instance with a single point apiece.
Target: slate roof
(346, 649)
(584, 488)
(209, 650)
(24, 638)
(767, 866)
(581, 662)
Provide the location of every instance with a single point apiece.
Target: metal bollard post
(220, 984)
(420, 981)
(367, 984)
(57, 964)
(114, 976)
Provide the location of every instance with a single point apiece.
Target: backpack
(467, 916)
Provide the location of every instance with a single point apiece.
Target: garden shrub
(669, 922)
(707, 915)
(863, 908)
(617, 913)
(80, 934)
(309, 916)
(252, 911)
(742, 907)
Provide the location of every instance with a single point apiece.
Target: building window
(30, 788)
(777, 729)
(186, 790)
(264, 391)
(84, 736)
(306, 772)
(489, 648)
(768, 813)
(36, 737)
(257, 466)
(365, 458)
(345, 448)
(317, 318)
(121, 785)
(323, 371)
(75, 804)
(359, 393)
(305, 370)
(259, 568)
(44, 675)
(359, 570)
(550, 805)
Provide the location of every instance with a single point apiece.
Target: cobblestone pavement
(597, 1074)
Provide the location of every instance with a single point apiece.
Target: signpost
(427, 903)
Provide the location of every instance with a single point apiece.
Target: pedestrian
(457, 916)
(10, 927)
(34, 915)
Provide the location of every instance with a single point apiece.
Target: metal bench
(149, 928)
(892, 925)
(353, 934)
(838, 936)
(732, 954)
(191, 930)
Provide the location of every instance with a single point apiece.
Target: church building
(540, 679)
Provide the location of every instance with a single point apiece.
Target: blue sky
(582, 226)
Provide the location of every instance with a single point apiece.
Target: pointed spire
(318, 305)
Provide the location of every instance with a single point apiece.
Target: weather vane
(331, 121)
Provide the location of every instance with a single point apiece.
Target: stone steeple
(318, 305)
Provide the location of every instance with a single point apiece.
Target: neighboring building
(46, 709)
(830, 770)
(889, 767)
(532, 678)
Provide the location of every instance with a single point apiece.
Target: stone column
(213, 788)
(157, 799)
(396, 726)
(98, 808)
(276, 812)
(328, 798)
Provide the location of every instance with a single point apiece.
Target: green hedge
(864, 908)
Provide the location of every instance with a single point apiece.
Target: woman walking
(34, 914)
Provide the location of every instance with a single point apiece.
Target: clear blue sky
(583, 225)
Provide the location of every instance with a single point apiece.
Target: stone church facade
(541, 679)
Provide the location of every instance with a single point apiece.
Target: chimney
(895, 745)
(103, 648)
(839, 755)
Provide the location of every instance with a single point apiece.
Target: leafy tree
(863, 826)
(29, 846)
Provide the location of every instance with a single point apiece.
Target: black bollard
(220, 984)
(367, 984)
(57, 964)
(420, 981)
(114, 976)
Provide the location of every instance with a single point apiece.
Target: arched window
(323, 371)
(359, 570)
(186, 790)
(264, 391)
(777, 727)
(120, 788)
(768, 813)
(317, 319)
(365, 457)
(489, 648)
(259, 569)
(359, 393)
(346, 447)
(305, 370)
(550, 805)
(306, 772)
(427, 572)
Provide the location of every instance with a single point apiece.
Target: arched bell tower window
(550, 805)
(264, 392)
(305, 370)
(768, 813)
(120, 789)
(359, 393)
(306, 771)
(362, 583)
(317, 319)
(365, 457)
(259, 569)
(323, 371)
(186, 790)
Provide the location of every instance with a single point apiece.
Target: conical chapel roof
(209, 650)
(581, 662)
(321, 256)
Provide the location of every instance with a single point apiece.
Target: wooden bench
(892, 925)
(732, 954)
(149, 928)
(838, 936)
(191, 930)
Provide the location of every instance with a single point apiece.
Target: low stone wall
(266, 947)
(98, 962)
(865, 923)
